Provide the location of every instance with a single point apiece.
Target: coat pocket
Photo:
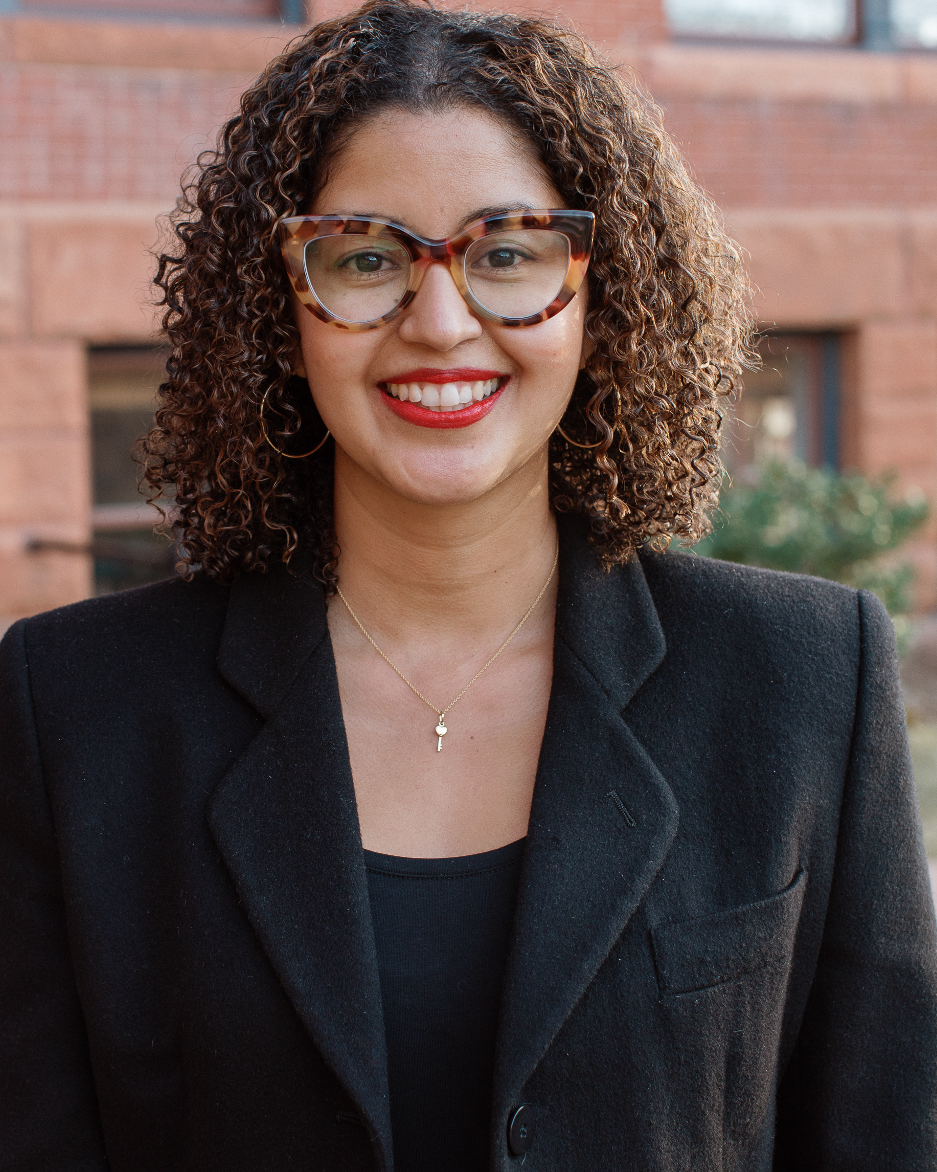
(711, 950)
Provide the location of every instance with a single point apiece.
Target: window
(878, 24)
(790, 408)
(122, 383)
(914, 23)
(791, 20)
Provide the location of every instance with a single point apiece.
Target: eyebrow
(499, 210)
(478, 214)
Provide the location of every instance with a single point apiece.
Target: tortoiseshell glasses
(516, 269)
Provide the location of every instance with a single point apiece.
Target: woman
(434, 820)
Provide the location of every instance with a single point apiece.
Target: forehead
(434, 171)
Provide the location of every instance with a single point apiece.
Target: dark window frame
(125, 550)
(813, 393)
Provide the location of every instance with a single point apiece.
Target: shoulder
(774, 655)
(117, 639)
(160, 610)
(679, 579)
(707, 603)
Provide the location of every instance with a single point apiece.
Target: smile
(443, 398)
(448, 397)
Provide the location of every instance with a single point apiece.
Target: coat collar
(275, 621)
(285, 821)
(608, 621)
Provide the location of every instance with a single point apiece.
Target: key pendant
(441, 731)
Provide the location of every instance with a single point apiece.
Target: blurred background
(813, 123)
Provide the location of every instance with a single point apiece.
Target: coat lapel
(285, 821)
(589, 859)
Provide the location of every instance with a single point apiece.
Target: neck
(448, 572)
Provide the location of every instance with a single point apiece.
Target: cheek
(567, 334)
(335, 360)
(552, 352)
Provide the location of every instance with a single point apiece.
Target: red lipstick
(432, 374)
(423, 416)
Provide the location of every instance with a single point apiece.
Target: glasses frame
(295, 232)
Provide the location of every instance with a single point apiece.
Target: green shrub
(814, 521)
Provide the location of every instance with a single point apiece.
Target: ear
(299, 366)
(587, 350)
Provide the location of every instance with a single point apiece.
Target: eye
(365, 262)
(502, 258)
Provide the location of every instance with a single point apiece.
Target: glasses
(515, 269)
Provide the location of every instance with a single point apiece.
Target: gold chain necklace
(441, 729)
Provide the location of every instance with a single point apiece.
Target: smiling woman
(433, 816)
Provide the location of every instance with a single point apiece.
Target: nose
(438, 315)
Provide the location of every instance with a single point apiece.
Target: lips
(443, 398)
(426, 417)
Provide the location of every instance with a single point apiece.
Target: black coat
(724, 952)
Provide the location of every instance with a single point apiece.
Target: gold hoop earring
(286, 455)
(574, 442)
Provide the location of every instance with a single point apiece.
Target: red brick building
(823, 155)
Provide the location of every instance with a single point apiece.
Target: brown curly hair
(668, 301)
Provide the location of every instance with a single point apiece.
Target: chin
(443, 494)
(441, 482)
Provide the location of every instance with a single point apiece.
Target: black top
(442, 929)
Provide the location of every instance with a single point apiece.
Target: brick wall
(824, 161)
(803, 129)
(98, 120)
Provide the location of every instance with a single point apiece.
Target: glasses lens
(517, 274)
(357, 278)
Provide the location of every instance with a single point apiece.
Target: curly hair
(668, 313)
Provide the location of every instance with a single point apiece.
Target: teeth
(448, 397)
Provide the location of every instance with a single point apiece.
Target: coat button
(521, 1130)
